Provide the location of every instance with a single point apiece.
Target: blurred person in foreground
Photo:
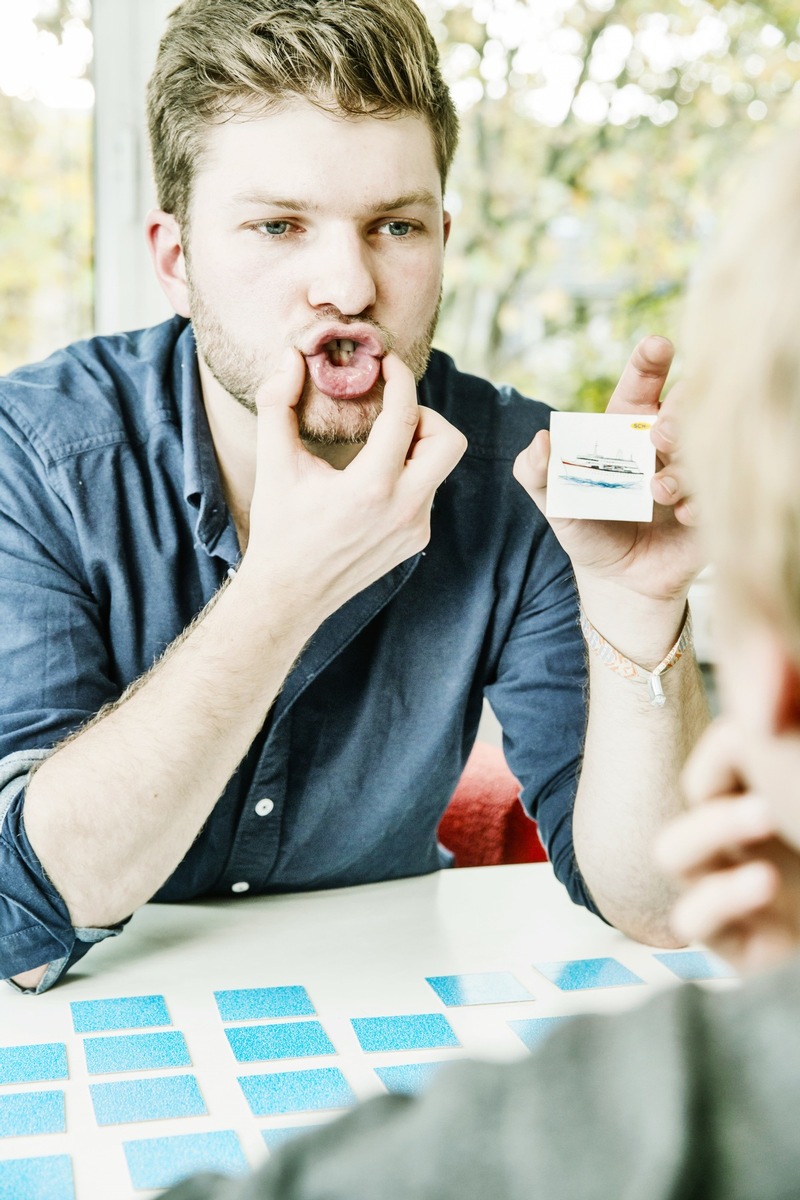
(695, 1094)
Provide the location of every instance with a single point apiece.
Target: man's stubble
(322, 420)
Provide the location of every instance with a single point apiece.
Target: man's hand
(30, 979)
(326, 534)
(633, 579)
(741, 879)
(657, 560)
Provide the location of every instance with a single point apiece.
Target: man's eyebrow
(421, 198)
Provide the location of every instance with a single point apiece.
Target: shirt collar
(214, 528)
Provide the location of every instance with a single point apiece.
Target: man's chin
(336, 422)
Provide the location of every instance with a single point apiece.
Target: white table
(358, 951)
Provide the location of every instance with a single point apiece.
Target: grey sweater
(692, 1095)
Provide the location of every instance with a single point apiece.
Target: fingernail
(666, 430)
(669, 484)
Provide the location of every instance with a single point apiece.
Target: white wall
(126, 36)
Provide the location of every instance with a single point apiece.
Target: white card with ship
(601, 465)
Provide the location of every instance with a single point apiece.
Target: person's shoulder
(107, 388)
(497, 420)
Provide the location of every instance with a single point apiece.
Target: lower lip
(344, 383)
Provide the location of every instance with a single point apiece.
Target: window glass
(46, 110)
(599, 148)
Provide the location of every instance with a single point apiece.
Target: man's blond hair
(220, 59)
(742, 420)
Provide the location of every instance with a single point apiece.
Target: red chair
(484, 824)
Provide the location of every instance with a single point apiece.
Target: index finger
(276, 399)
(391, 435)
(640, 384)
(714, 768)
(719, 829)
(665, 434)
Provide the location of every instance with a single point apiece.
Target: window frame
(126, 35)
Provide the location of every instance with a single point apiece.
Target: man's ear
(166, 248)
(448, 225)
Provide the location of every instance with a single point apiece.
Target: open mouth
(340, 351)
(346, 368)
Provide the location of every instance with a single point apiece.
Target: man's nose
(343, 276)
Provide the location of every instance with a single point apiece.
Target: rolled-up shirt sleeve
(35, 926)
(539, 697)
(56, 674)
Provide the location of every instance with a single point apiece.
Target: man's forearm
(112, 813)
(629, 784)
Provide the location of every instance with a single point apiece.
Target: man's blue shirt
(114, 535)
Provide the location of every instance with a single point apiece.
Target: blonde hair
(224, 58)
(742, 416)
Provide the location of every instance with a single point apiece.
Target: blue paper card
(290, 1039)
(480, 987)
(417, 1031)
(125, 1012)
(576, 974)
(24, 1113)
(296, 1091)
(273, 1138)
(161, 1162)
(248, 1004)
(29, 1064)
(696, 964)
(136, 1052)
(147, 1099)
(48, 1178)
(408, 1079)
(534, 1030)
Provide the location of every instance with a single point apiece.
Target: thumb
(642, 381)
(530, 468)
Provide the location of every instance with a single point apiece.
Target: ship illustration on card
(602, 470)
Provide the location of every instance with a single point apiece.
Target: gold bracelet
(630, 670)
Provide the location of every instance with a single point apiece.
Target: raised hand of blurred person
(739, 874)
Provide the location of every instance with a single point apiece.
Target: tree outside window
(46, 102)
(598, 138)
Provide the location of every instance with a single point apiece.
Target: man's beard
(322, 420)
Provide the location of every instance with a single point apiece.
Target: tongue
(344, 383)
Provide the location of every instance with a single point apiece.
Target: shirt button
(240, 887)
(264, 807)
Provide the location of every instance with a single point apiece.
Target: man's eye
(398, 228)
(273, 228)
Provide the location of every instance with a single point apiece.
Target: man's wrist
(641, 628)
(284, 610)
(611, 658)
